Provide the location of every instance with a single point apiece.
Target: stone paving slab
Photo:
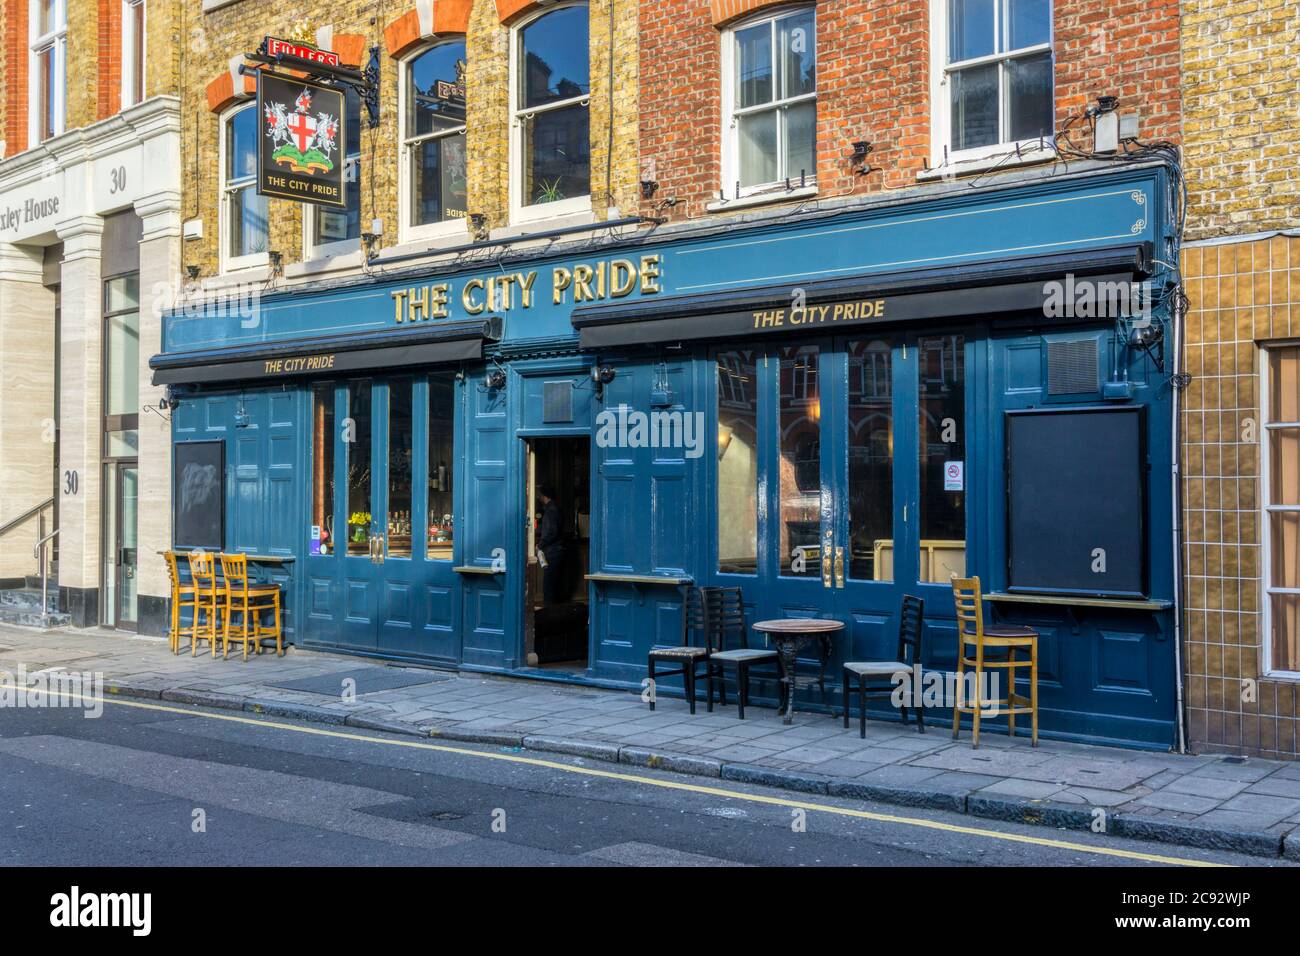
(1249, 805)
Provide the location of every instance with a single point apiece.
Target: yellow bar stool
(1008, 638)
(183, 596)
(210, 601)
(250, 602)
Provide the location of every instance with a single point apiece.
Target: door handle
(824, 554)
(372, 549)
(381, 546)
(839, 567)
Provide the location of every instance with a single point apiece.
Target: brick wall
(1241, 122)
(873, 79)
(13, 75)
(1242, 115)
(218, 36)
(109, 59)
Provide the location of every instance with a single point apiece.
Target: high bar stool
(209, 601)
(183, 596)
(250, 602)
(972, 632)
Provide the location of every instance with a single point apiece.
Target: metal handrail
(38, 553)
(26, 516)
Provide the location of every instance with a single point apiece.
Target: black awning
(988, 289)
(326, 355)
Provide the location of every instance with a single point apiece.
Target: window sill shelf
(761, 199)
(323, 265)
(971, 167)
(1065, 600)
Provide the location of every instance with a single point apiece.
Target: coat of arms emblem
(303, 141)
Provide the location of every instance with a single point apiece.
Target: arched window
(433, 140)
(330, 230)
(770, 103)
(550, 87)
(243, 211)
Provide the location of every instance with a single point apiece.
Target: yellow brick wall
(1241, 115)
(213, 38)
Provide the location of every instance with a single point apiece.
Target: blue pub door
(854, 447)
(386, 516)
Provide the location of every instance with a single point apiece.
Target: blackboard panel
(1076, 482)
(199, 495)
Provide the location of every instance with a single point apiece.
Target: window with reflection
(551, 88)
(1282, 507)
(870, 447)
(442, 426)
(737, 462)
(122, 366)
(330, 225)
(941, 367)
(799, 415)
(244, 212)
(356, 442)
(773, 101)
(998, 71)
(401, 448)
(434, 135)
(322, 475)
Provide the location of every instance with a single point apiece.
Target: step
(29, 599)
(32, 618)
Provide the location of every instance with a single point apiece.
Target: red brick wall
(15, 72)
(109, 72)
(873, 81)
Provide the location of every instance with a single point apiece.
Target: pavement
(1241, 805)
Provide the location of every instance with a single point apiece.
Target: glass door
(122, 480)
(359, 541)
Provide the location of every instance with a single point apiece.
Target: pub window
(770, 95)
(799, 418)
(122, 366)
(48, 44)
(332, 230)
(133, 52)
(322, 495)
(243, 211)
(442, 417)
(1281, 498)
(993, 76)
(433, 141)
(942, 432)
(551, 145)
(737, 462)
(871, 459)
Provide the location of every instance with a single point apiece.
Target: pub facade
(828, 365)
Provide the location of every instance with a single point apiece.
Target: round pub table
(790, 634)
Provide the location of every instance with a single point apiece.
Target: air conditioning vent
(1072, 367)
(557, 402)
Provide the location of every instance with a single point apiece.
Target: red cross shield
(302, 127)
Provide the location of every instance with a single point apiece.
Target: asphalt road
(171, 785)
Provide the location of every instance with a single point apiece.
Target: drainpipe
(1177, 487)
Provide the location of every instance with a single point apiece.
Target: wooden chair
(726, 615)
(250, 602)
(876, 678)
(1009, 638)
(183, 596)
(688, 655)
(209, 601)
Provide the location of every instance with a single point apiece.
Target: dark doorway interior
(559, 501)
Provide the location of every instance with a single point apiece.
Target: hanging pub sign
(299, 151)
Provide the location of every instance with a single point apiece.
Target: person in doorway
(550, 542)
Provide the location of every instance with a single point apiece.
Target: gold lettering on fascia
(820, 314)
(583, 282)
(298, 364)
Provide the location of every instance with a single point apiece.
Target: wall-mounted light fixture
(276, 259)
(192, 271)
(601, 375)
(478, 225)
(858, 159)
(494, 379)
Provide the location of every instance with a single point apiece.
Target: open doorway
(559, 505)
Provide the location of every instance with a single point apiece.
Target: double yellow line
(721, 792)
